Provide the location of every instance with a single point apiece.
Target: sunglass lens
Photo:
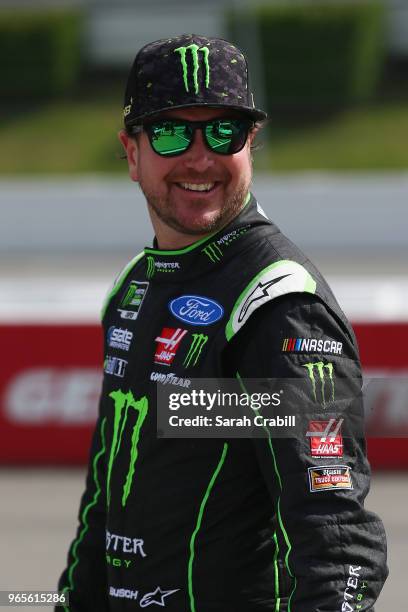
(226, 137)
(169, 138)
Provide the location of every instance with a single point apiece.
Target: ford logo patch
(196, 309)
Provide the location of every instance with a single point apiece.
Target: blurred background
(331, 171)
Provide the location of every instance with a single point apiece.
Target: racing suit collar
(207, 253)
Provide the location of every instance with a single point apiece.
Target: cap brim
(255, 113)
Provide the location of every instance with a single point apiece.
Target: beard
(164, 209)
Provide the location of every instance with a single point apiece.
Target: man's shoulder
(274, 267)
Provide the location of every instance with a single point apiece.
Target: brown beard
(230, 210)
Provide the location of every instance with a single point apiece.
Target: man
(217, 525)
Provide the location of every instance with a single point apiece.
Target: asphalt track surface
(38, 512)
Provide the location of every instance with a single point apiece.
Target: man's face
(168, 182)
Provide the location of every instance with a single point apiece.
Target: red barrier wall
(51, 376)
(383, 351)
(49, 387)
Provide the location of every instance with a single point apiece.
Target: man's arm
(332, 548)
(85, 575)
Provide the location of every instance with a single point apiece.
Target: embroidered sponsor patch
(311, 345)
(132, 299)
(321, 377)
(167, 345)
(325, 438)
(196, 309)
(169, 379)
(119, 338)
(153, 266)
(214, 251)
(122, 544)
(355, 590)
(329, 478)
(115, 366)
(157, 597)
(194, 352)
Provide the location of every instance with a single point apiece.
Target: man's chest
(166, 334)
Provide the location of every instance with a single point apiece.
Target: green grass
(79, 136)
(373, 138)
(62, 138)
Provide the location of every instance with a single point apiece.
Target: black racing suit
(213, 525)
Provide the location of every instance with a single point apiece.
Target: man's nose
(198, 155)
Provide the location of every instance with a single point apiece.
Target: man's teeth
(197, 187)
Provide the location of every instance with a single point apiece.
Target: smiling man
(219, 525)
(200, 191)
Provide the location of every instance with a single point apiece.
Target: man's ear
(132, 153)
(252, 134)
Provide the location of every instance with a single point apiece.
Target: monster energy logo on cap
(213, 251)
(323, 370)
(194, 352)
(150, 267)
(196, 64)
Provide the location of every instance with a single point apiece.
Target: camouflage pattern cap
(188, 70)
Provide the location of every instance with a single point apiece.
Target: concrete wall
(62, 243)
(320, 212)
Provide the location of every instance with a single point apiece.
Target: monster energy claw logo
(125, 403)
(194, 53)
(321, 368)
(150, 267)
(197, 345)
(213, 251)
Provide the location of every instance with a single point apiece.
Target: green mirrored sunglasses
(170, 137)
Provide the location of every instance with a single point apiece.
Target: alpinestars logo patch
(258, 293)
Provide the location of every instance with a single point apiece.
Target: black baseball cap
(188, 70)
